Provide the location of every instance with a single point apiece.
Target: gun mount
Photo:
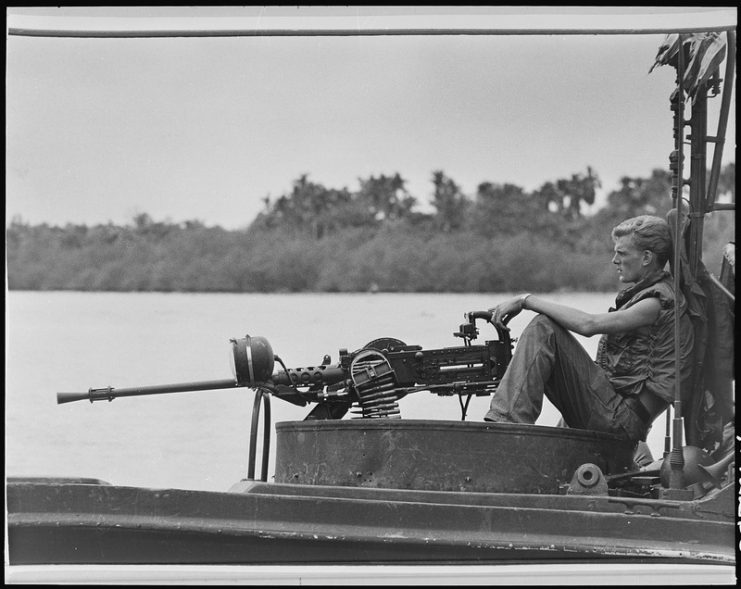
(370, 381)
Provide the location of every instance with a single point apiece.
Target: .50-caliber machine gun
(372, 379)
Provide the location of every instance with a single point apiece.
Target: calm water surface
(71, 341)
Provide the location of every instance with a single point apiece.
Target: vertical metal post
(667, 432)
(698, 175)
(676, 457)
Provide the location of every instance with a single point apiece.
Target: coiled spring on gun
(375, 385)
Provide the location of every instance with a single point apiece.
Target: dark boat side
(550, 514)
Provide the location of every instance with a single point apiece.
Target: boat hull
(52, 522)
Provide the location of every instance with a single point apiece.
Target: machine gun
(370, 381)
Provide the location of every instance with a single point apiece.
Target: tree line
(314, 238)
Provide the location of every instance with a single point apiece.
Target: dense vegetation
(323, 239)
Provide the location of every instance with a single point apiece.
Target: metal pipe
(722, 120)
(261, 397)
(265, 438)
(722, 287)
(697, 179)
(346, 32)
(676, 457)
(667, 432)
(253, 435)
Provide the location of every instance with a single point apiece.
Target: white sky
(99, 130)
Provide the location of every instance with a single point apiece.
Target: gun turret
(373, 378)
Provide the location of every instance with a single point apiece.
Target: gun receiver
(372, 379)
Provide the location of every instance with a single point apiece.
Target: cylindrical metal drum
(442, 455)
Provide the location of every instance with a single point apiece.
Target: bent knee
(541, 321)
(543, 325)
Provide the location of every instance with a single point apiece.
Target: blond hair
(648, 233)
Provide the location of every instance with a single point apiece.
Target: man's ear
(648, 258)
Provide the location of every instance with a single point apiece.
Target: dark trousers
(549, 361)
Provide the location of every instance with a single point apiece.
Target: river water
(71, 341)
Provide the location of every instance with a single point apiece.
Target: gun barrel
(109, 393)
(69, 397)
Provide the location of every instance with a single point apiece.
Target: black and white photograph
(361, 295)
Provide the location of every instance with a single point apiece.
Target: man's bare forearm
(572, 319)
